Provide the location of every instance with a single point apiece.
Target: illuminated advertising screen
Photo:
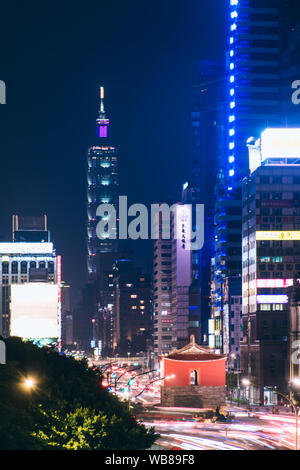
(278, 235)
(270, 283)
(280, 143)
(34, 310)
(272, 299)
(26, 248)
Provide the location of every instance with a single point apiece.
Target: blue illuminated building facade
(209, 140)
(253, 66)
(290, 78)
(253, 103)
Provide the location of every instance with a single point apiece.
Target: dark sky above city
(53, 58)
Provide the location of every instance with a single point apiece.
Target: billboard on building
(24, 248)
(280, 143)
(34, 310)
(183, 229)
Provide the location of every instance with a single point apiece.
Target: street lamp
(295, 387)
(142, 373)
(28, 383)
(167, 377)
(246, 383)
(295, 404)
(296, 383)
(236, 370)
(105, 367)
(126, 372)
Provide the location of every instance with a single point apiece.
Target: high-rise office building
(30, 282)
(271, 257)
(290, 81)
(232, 314)
(253, 66)
(105, 284)
(102, 180)
(208, 140)
(227, 263)
(66, 317)
(253, 74)
(164, 318)
(174, 316)
(294, 330)
(132, 308)
(181, 274)
(30, 229)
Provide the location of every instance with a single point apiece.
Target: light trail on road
(257, 430)
(239, 435)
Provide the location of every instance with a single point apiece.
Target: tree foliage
(67, 409)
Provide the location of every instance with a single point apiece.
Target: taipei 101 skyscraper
(102, 187)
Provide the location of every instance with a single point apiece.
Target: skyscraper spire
(101, 111)
(102, 122)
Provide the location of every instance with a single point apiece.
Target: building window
(23, 267)
(14, 267)
(277, 306)
(265, 307)
(51, 267)
(5, 267)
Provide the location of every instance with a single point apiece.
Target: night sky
(53, 58)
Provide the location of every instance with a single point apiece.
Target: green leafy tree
(86, 429)
(67, 409)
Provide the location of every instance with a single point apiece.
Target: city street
(254, 429)
(262, 431)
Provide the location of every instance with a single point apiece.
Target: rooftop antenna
(102, 111)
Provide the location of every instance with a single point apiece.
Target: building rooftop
(194, 352)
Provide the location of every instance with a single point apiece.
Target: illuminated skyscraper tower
(102, 180)
(253, 66)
